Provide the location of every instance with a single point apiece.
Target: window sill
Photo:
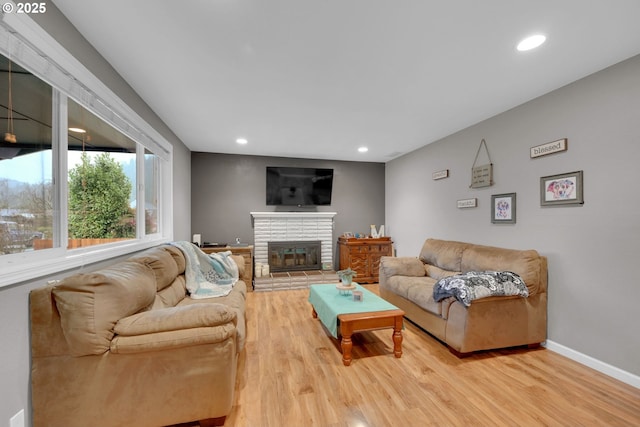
(25, 268)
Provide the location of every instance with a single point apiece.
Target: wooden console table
(363, 256)
(245, 251)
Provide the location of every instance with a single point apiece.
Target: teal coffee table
(342, 316)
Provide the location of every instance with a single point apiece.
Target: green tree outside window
(99, 200)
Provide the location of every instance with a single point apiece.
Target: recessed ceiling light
(531, 42)
(241, 141)
(363, 149)
(77, 130)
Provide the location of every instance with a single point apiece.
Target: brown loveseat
(125, 346)
(488, 323)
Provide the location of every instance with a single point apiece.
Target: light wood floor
(292, 375)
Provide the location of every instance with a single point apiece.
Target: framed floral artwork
(561, 189)
(503, 208)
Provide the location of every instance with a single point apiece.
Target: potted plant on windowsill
(346, 276)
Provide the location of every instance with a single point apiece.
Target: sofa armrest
(240, 261)
(175, 318)
(401, 266)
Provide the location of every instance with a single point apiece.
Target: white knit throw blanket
(208, 276)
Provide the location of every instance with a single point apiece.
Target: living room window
(82, 177)
(26, 162)
(101, 163)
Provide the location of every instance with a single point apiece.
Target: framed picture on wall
(562, 189)
(503, 208)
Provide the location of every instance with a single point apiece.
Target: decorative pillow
(479, 284)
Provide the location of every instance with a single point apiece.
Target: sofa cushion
(443, 253)
(90, 304)
(437, 272)
(161, 262)
(172, 294)
(422, 296)
(234, 300)
(474, 285)
(416, 289)
(171, 340)
(175, 318)
(528, 264)
(178, 257)
(403, 266)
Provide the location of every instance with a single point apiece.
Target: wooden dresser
(363, 256)
(247, 254)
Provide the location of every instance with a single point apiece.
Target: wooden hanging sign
(482, 176)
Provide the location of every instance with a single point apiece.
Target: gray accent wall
(225, 188)
(14, 300)
(592, 250)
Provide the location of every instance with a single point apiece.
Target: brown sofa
(126, 346)
(488, 323)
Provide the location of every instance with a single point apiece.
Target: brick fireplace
(292, 226)
(297, 246)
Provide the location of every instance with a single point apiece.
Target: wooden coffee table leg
(358, 322)
(346, 330)
(397, 337)
(347, 345)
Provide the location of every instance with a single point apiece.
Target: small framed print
(503, 208)
(561, 189)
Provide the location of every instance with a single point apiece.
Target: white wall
(593, 249)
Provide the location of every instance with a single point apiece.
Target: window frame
(27, 44)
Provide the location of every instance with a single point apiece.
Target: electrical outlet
(17, 420)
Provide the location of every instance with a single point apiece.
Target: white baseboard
(605, 368)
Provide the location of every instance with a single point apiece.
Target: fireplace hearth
(297, 255)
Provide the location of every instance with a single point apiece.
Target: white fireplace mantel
(289, 226)
(293, 214)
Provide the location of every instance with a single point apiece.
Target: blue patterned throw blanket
(479, 284)
(207, 276)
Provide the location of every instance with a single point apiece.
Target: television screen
(299, 186)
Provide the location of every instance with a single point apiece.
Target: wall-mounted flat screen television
(292, 186)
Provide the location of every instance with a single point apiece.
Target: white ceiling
(319, 78)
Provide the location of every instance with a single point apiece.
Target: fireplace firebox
(294, 255)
